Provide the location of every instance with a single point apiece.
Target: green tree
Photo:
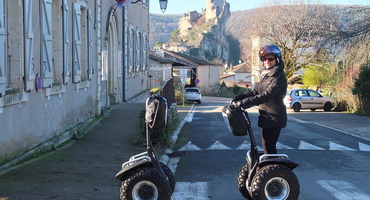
(361, 88)
(317, 75)
(175, 36)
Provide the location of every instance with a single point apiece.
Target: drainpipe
(123, 55)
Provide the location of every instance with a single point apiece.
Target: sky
(182, 6)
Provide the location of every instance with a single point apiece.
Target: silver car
(193, 94)
(298, 99)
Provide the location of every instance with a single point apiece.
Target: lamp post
(163, 5)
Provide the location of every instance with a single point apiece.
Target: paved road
(333, 162)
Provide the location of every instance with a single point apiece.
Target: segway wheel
(275, 182)
(145, 183)
(171, 178)
(242, 181)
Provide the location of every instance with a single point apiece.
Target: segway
(263, 176)
(143, 176)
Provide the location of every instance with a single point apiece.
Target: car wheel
(328, 106)
(242, 181)
(275, 182)
(199, 102)
(145, 183)
(296, 107)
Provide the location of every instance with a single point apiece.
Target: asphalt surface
(85, 168)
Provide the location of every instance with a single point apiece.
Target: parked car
(298, 99)
(193, 94)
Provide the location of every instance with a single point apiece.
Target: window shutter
(2, 49)
(66, 69)
(46, 44)
(145, 51)
(131, 49)
(28, 37)
(76, 73)
(137, 52)
(90, 44)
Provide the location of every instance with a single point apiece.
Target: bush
(158, 137)
(362, 90)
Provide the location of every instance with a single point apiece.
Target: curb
(165, 158)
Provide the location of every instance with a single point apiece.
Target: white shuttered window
(28, 39)
(76, 50)
(46, 43)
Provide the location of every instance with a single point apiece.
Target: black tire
(171, 178)
(145, 183)
(328, 106)
(296, 107)
(242, 181)
(275, 182)
(199, 102)
(313, 110)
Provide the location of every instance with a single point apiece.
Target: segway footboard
(280, 159)
(135, 161)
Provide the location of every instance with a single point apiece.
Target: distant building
(238, 75)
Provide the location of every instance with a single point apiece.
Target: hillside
(161, 27)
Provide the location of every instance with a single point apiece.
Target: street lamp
(163, 5)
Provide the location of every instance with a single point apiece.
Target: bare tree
(297, 29)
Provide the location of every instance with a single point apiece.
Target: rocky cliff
(205, 32)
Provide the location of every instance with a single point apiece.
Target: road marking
(218, 146)
(282, 146)
(302, 145)
(335, 146)
(190, 115)
(328, 127)
(244, 146)
(190, 147)
(172, 164)
(298, 120)
(343, 190)
(191, 191)
(308, 146)
(363, 147)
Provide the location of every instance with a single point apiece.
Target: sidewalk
(85, 168)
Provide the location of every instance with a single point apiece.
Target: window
(12, 53)
(313, 93)
(82, 44)
(145, 51)
(140, 51)
(131, 50)
(302, 93)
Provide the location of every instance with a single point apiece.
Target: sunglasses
(269, 59)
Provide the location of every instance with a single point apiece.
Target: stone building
(64, 61)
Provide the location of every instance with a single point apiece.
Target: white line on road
(305, 145)
(335, 146)
(218, 146)
(343, 190)
(363, 147)
(328, 127)
(191, 191)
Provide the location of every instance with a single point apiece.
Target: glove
(238, 97)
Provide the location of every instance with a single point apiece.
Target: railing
(168, 91)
